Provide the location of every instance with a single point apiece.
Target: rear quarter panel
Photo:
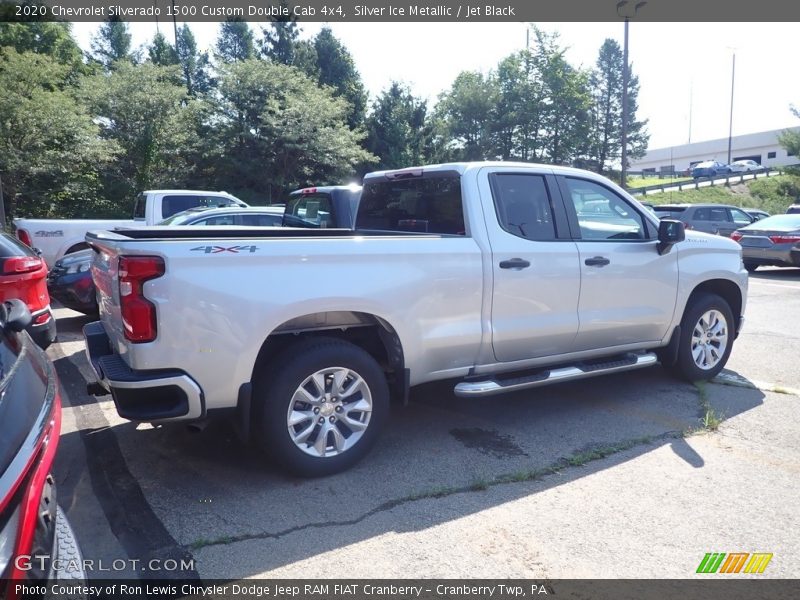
(215, 310)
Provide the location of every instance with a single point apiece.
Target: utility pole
(730, 126)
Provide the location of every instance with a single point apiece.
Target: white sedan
(745, 166)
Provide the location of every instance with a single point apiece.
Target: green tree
(280, 38)
(338, 70)
(235, 41)
(305, 58)
(53, 39)
(112, 43)
(161, 52)
(397, 129)
(50, 152)
(145, 110)
(276, 131)
(466, 113)
(195, 65)
(790, 139)
(605, 131)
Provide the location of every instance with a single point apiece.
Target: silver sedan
(771, 241)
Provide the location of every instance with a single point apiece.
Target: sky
(683, 68)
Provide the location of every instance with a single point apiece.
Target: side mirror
(670, 232)
(14, 315)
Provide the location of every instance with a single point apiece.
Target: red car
(35, 536)
(23, 275)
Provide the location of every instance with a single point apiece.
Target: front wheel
(707, 333)
(321, 406)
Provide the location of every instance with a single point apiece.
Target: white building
(763, 148)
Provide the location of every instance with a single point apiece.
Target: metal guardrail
(695, 183)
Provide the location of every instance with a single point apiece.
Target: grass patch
(709, 417)
(637, 182)
(772, 194)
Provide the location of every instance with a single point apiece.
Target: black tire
(750, 266)
(273, 394)
(699, 304)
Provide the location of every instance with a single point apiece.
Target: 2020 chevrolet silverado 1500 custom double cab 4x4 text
(501, 276)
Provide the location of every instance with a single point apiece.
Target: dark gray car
(718, 219)
(771, 241)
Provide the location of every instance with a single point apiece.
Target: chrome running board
(499, 385)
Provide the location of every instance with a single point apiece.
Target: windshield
(425, 204)
(181, 217)
(778, 222)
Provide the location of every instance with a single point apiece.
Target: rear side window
(426, 204)
(177, 203)
(262, 220)
(711, 214)
(309, 210)
(523, 206)
(10, 246)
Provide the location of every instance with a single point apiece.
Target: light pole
(730, 125)
(629, 14)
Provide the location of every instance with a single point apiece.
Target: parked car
(323, 207)
(56, 237)
(246, 216)
(794, 209)
(771, 241)
(70, 280)
(718, 219)
(490, 274)
(756, 213)
(745, 166)
(23, 275)
(709, 168)
(35, 535)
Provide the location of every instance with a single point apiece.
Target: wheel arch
(726, 289)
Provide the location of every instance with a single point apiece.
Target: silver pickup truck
(499, 276)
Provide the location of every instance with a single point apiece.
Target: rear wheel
(321, 406)
(707, 333)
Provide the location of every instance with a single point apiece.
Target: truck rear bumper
(150, 396)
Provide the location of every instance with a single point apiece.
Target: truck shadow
(780, 274)
(168, 491)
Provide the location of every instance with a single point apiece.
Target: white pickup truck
(499, 276)
(56, 237)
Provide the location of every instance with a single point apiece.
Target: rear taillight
(42, 319)
(785, 239)
(24, 237)
(736, 236)
(138, 313)
(21, 264)
(32, 496)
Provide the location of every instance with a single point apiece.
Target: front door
(628, 291)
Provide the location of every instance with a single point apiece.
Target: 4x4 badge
(219, 249)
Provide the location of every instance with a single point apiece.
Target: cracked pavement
(437, 497)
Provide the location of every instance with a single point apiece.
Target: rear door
(628, 290)
(535, 272)
(711, 219)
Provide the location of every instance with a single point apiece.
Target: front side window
(523, 206)
(602, 214)
(740, 217)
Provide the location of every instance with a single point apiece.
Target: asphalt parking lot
(607, 477)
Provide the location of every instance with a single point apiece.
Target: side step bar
(499, 385)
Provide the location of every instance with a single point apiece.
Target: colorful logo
(735, 562)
